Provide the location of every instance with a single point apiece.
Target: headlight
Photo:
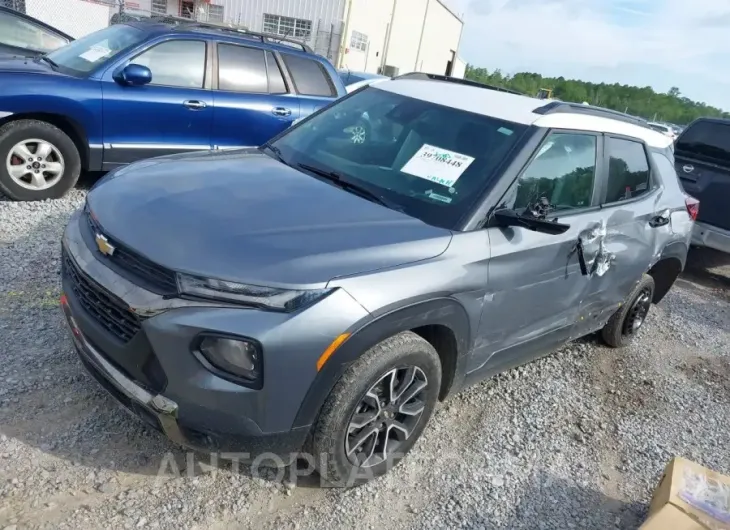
(286, 300)
(238, 357)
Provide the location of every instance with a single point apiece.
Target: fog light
(239, 357)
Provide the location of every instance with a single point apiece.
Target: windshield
(84, 55)
(429, 160)
(20, 33)
(706, 139)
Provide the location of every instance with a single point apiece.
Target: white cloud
(677, 42)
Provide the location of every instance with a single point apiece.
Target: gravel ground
(575, 440)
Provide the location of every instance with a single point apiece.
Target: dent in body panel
(631, 245)
(603, 258)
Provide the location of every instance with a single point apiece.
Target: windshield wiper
(275, 150)
(347, 185)
(49, 61)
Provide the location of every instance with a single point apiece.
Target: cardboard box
(690, 497)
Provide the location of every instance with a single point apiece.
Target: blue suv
(143, 89)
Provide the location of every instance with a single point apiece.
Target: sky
(657, 43)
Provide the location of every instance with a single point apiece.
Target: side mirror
(506, 217)
(133, 75)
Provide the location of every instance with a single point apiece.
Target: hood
(243, 216)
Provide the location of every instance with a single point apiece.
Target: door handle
(281, 111)
(661, 219)
(194, 104)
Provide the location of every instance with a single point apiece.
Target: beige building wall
(411, 35)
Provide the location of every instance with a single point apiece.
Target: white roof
(516, 108)
(586, 122)
(358, 84)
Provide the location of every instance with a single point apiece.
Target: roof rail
(187, 23)
(555, 107)
(436, 77)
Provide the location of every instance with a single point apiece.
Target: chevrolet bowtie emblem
(103, 244)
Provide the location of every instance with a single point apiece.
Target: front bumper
(156, 376)
(704, 235)
(156, 409)
(161, 413)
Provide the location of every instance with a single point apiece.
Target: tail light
(693, 207)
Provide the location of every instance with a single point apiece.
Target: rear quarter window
(310, 78)
(665, 166)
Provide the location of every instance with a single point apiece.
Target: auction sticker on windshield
(95, 53)
(437, 165)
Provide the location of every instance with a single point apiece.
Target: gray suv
(318, 296)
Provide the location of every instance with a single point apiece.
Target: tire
(62, 154)
(622, 326)
(406, 353)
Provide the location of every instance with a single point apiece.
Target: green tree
(638, 101)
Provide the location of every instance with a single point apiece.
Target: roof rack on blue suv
(143, 88)
(186, 23)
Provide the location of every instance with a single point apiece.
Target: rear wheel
(625, 323)
(37, 161)
(377, 410)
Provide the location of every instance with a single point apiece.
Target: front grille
(109, 311)
(149, 273)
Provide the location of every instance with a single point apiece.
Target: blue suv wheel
(38, 161)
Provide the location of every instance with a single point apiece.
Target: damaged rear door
(634, 222)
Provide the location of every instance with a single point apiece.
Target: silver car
(317, 295)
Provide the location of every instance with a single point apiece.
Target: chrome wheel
(358, 134)
(637, 314)
(386, 416)
(35, 164)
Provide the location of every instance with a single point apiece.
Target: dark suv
(702, 154)
(318, 294)
(142, 89)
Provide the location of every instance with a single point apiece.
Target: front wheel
(377, 410)
(38, 161)
(625, 323)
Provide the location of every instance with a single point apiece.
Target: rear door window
(707, 140)
(629, 175)
(241, 69)
(310, 78)
(276, 80)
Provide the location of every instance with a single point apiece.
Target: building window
(215, 13)
(187, 9)
(359, 41)
(287, 27)
(159, 7)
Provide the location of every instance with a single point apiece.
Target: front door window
(563, 172)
